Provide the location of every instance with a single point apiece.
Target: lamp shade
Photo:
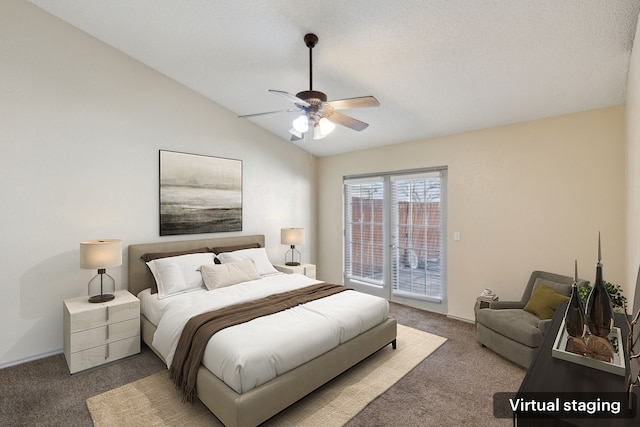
(292, 236)
(317, 133)
(326, 126)
(97, 254)
(301, 123)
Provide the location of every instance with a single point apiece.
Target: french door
(395, 236)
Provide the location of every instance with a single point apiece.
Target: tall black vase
(574, 317)
(599, 309)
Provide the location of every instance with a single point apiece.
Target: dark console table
(549, 374)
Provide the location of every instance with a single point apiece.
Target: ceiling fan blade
(360, 102)
(290, 110)
(290, 97)
(347, 121)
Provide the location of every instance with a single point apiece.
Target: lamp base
(293, 251)
(101, 298)
(100, 286)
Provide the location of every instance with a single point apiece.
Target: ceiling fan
(318, 114)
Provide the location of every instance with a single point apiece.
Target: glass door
(365, 235)
(395, 237)
(417, 237)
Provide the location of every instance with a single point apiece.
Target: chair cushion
(544, 301)
(516, 324)
(561, 288)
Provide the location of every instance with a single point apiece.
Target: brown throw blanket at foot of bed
(199, 329)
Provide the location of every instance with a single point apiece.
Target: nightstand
(308, 270)
(99, 333)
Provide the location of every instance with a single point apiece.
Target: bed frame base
(265, 401)
(262, 403)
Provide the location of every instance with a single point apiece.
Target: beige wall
(633, 167)
(527, 196)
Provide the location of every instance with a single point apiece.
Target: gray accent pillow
(561, 288)
(221, 275)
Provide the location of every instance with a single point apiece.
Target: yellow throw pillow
(544, 301)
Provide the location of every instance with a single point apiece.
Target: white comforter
(250, 354)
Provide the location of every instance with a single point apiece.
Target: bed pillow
(221, 275)
(257, 255)
(221, 249)
(544, 301)
(179, 274)
(156, 255)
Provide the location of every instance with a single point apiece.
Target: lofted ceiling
(437, 67)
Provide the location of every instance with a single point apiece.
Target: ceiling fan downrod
(311, 95)
(311, 40)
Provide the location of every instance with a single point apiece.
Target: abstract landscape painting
(199, 194)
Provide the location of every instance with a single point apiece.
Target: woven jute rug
(154, 401)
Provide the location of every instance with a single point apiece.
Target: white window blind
(364, 230)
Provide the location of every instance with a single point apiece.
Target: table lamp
(292, 237)
(100, 255)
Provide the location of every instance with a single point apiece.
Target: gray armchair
(516, 334)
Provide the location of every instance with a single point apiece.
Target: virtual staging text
(564, 405)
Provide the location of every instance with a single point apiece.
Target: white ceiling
(438, 67)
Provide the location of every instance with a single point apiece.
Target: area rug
(154, 401)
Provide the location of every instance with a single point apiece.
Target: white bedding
(250, 354)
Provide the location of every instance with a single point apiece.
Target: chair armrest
(544, 325)
(497, 305)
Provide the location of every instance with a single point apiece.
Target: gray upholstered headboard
(141, 278)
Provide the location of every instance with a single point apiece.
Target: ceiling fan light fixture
(326, 126)
(295, 133)
(301, 123)
(317, 132)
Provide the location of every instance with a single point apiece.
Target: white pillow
(221, 275)
(179, 274)
(257, 255)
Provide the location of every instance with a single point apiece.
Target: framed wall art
(199, 194)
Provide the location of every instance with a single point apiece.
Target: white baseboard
(410, 303)
(463, 319)
(30, 359)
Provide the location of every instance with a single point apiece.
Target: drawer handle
(106, 354)
(107, 337)
(107, 313)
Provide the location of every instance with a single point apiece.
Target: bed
(256, 405)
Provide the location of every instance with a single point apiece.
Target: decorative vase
(599, 309)
(574, 318)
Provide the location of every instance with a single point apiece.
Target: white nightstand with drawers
(99, 333)
(308, 270)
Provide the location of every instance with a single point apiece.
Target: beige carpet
(153, 401)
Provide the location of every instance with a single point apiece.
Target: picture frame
(199, 194)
